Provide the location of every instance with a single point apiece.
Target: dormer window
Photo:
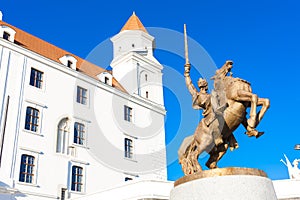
(68, 61)
(7, 33)
(105, 77)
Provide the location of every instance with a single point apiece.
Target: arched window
(63, 129)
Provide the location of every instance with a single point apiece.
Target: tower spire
(134, 23)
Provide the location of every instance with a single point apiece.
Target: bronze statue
(223, 111)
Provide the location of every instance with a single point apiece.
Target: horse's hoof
(252, 133)
(212, 165)
(259, 134)
(235, 146)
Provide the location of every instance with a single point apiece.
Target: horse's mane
(222, 72)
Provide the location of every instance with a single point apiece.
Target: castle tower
(134, 65)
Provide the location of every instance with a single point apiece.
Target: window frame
(128, 113)
(37, 80)
(6, 35)
(128, 148)
(30, 117)
(28, 176)
(80, 134)
(74, 179)
(80, 98)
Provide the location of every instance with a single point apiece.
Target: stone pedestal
(225, 183)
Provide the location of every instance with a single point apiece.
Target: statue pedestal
(224, 183)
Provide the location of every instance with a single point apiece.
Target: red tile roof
(134, 23)
(52, 52)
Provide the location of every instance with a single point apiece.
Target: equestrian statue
(223, 111)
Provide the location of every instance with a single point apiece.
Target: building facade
(69, 128)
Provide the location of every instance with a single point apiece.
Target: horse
(237, 95)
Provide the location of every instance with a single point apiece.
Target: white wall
(102, 156)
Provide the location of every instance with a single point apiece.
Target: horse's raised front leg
(251, 131)
(265, 103)
(248, 96)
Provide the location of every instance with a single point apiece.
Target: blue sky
(260, 36)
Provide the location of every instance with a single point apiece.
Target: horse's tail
(185, 147)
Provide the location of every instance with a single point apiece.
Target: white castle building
(72, 130)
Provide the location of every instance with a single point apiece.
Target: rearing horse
(237, 95)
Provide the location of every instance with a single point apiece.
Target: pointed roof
(134, 23)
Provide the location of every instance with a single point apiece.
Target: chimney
(1, 15)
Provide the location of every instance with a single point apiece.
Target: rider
(202, 100)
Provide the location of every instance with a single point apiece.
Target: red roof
(134, 23)
(52, 52)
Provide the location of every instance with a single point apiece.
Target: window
(26, 169)
(6, 35)
(105, 77)
(77, 178)
(69, 64)
(79, 132)
(106, 80)
(36, 78)
(81, 95)
(32, 119)
(146, 77)
(147, 94)
(62, 135)
(127, 113)
(69, 61)
(128, 145)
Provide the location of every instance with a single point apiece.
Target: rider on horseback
(202, 100)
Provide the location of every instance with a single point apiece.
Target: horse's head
(222, 72)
